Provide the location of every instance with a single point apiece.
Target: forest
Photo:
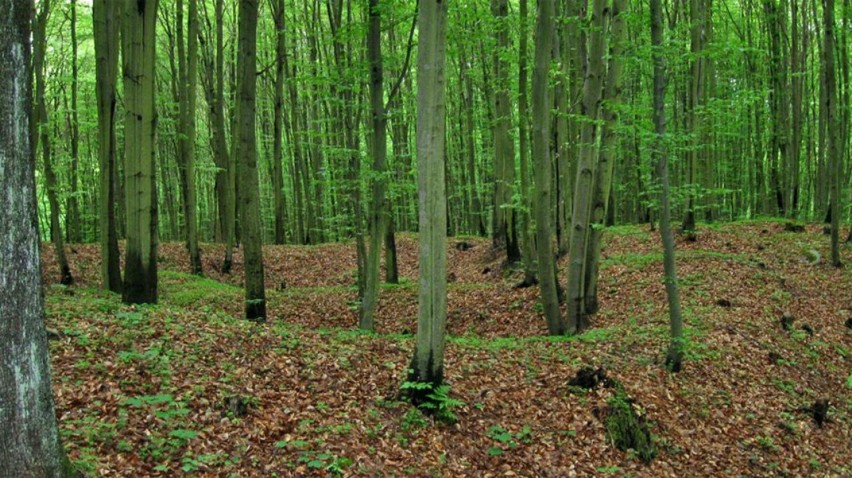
(425, 238)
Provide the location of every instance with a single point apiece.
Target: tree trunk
(674, 356)
(427, 365)
(504, 232)
(72, 215)
(378, 213)
(581, 219)
(547, 277)
(527, 234)
(830, 105)
(277, 146)
(187, 78)
(246, 156)
(106, 27)
(138, 40)
(606, 158)
(40, 131)
(29, 444)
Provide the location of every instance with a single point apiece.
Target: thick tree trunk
(525, 220)
(138, 39)
(427, 365)
(29, 443)
(246, 156)
(106, 30)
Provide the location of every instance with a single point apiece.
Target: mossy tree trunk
(541, 102)
(29, 443)
(279, 206)
(527, 234)
(140, 121)
(427, 364)
(246, 156)
(106, 31)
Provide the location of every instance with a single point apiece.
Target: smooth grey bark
(606, 157)
(541, 102)
(427, 365)
(106, 25)
(29, 442)
(581, 224)
(674, 357)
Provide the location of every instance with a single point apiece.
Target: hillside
(188, 387)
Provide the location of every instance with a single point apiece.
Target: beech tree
(246, 157)
(29, 444)
(140, 121)
(106, 26)
(427, 365)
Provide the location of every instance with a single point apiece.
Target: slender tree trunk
(504, 232)
(378, 214)
(675, 352)
(832, 120)
(606, 159)
(278, 150)
(40, 131)
(427, 365)
(72, 215)
(29, 444)
(698, 13)
(106, 31)
(187, 79)
(246, 156)
(581, 224)
(527, 234)
(541, 102)
(138, 39)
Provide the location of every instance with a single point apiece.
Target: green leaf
(495, 451)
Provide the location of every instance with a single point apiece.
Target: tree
(138, 43)
(427, 365)
(106, 28)
(830, 105)
(72, 215)
(29, 444)
(40, 130)
(548, 282)
(279, 15)
(674, 357)
(378, 214)
(187, 79)
(606, 157)
(246, 154)
(504, 225)
(581, 224)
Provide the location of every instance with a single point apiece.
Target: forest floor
(186, 386)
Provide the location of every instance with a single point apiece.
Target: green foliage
(507, 440)
(437, 402)
(627, 429)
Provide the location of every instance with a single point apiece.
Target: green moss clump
(628, 430)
